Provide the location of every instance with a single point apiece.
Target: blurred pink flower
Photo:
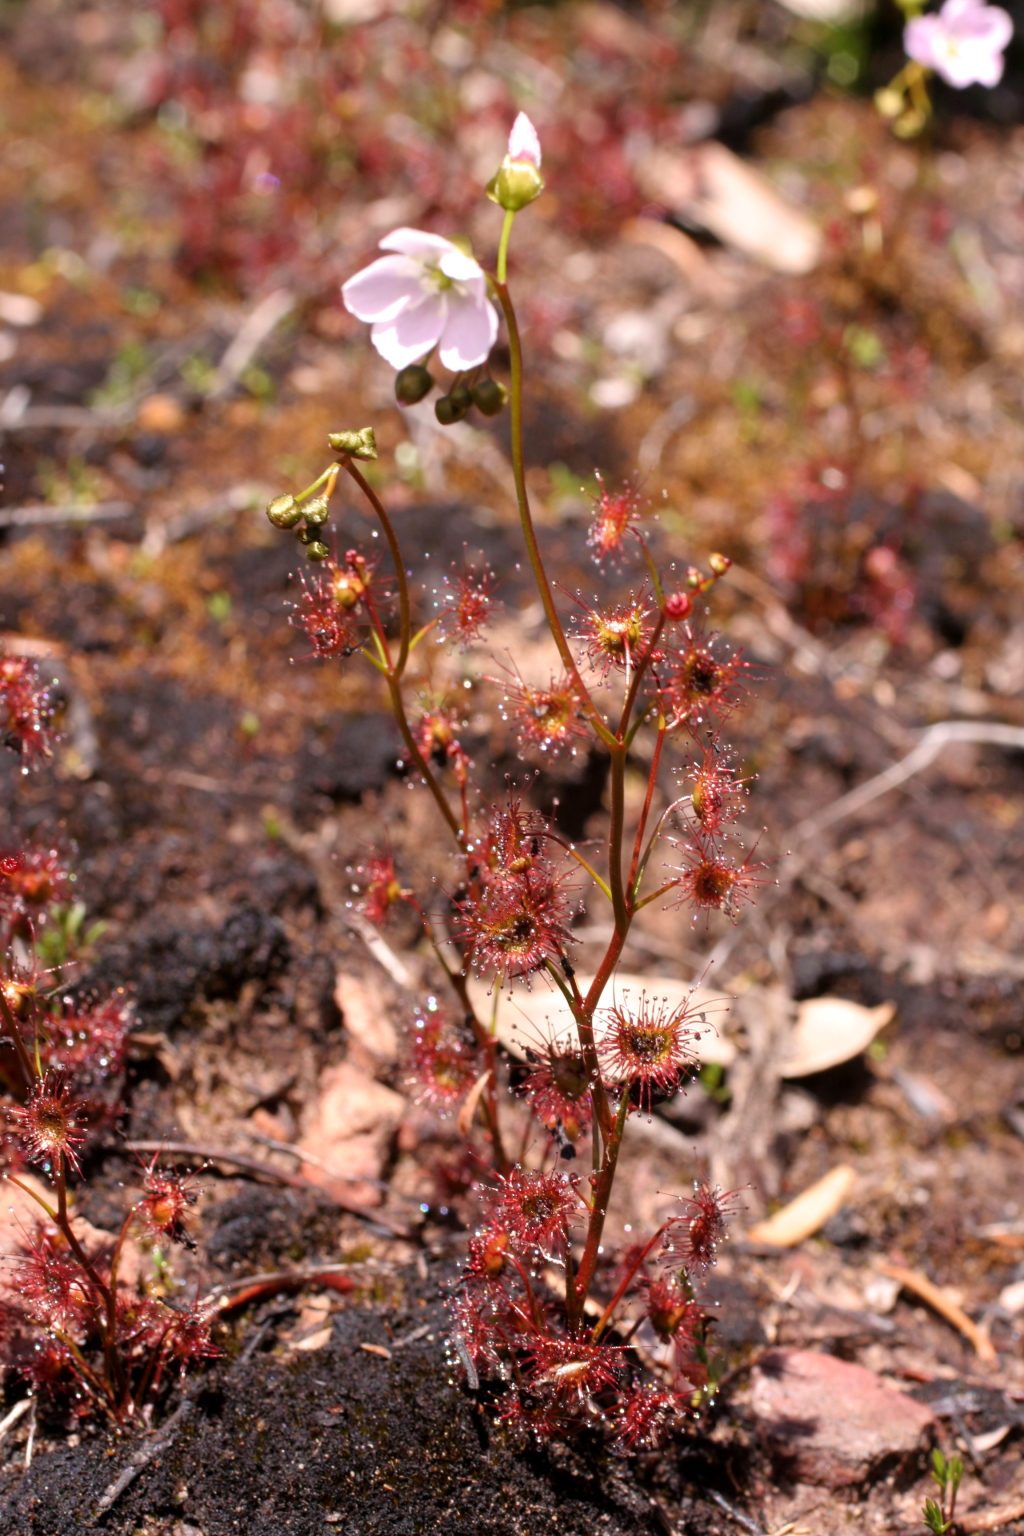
(426, 293)
(523, 143)
(964, 43)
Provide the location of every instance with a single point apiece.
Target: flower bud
(358, 445)
(516, 183)
(489, 396)
(412, 384)
(315, 512)
(317, 550)
(889, 102)
(719, 564)
(284, 512)
(518, 180)
(678, 605)
(694, 577)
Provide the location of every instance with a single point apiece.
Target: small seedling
(938, 1515)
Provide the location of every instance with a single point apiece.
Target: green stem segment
(404, 611)
(526, 520)
(506, 231)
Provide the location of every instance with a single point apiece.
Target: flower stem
(606, 1315)
(602, 1191)
(526, 520)
(117, 1384)
(506, 231)
(652, 779)
(404, 612)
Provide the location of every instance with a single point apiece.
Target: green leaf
(932, 1517)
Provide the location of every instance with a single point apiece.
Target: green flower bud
(489, 396)
(317, 550)
(412, 384)
(719, 563)
(306, 535)
(315, 512)
(516, 183)
(284, 512)
(358, 445)
(889, 102)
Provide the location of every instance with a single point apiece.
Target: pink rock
(366, 1017)
(833, 1423)
(351, 1129)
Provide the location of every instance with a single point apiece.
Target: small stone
(832, 1423)
(365, 1014)
(160, 413)
(352, 1127)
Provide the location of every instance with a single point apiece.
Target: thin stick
(254, 1165)
(926, 751)
(9, 1420)
(33, 516)
(30, 1442)
(141, 1459)
(283, 1277)
(921, 1286)
(991, 1519)
(734, 1514)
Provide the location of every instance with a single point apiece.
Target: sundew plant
(74, 1330)
(559, 1359)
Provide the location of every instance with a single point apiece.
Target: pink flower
(964, 43)
(428, 292)
(523, 143)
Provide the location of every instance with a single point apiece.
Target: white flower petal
(418, 243)
(462, 268)
(469, 333)
(953, 10)
(964, 43)
(523, 143)
(412, 334)
(383, 289)
(990, 28)
(922, 40)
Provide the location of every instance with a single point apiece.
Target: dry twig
(142, 1458)
(266, 1170)
(9, 1420)
(992, 1519)
(927, 750)
(41, 515)
(921, 1286)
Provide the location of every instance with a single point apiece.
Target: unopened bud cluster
(307, 513)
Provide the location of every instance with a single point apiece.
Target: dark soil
(337, 1439)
